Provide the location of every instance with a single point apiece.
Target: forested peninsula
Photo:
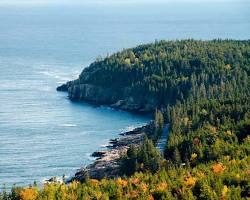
(202, 90)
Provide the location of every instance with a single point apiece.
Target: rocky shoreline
(107, 163)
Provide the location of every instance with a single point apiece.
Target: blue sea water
(42, 133)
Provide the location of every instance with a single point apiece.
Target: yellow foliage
(73, 185)
(29, 194)
(193, 156)
(127, 62)
(228, 132)
(247, 139)
(233, 161)
(190, 181)
(185, 121)
(98, 195)
(121, 182)
(224, 191)
(104, 182)
(237, 176)
(228, 66)
(213, 129)
(71, 196)
(218, 168)
(227, 158)
(200, 174)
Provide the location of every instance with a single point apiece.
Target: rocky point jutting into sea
(107, 163)
(124, 98)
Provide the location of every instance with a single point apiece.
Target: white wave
(58, 179)
(61, 76)
(104, 145)
(128, 128)
(61, 82)
(132, 127)
(69, 125)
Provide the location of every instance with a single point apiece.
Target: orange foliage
(135, 181)
(162, 186)
(29, 194)
(218, 168)
(133, 194)
(143, 187)
(121, 182)
(94, 182)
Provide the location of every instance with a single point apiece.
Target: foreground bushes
(225, 179)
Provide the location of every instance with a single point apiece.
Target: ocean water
(42, 133)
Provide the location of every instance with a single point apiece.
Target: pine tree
(177, 156)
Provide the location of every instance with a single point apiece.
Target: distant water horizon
(43, 133)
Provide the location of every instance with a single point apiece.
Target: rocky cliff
(119, 98)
